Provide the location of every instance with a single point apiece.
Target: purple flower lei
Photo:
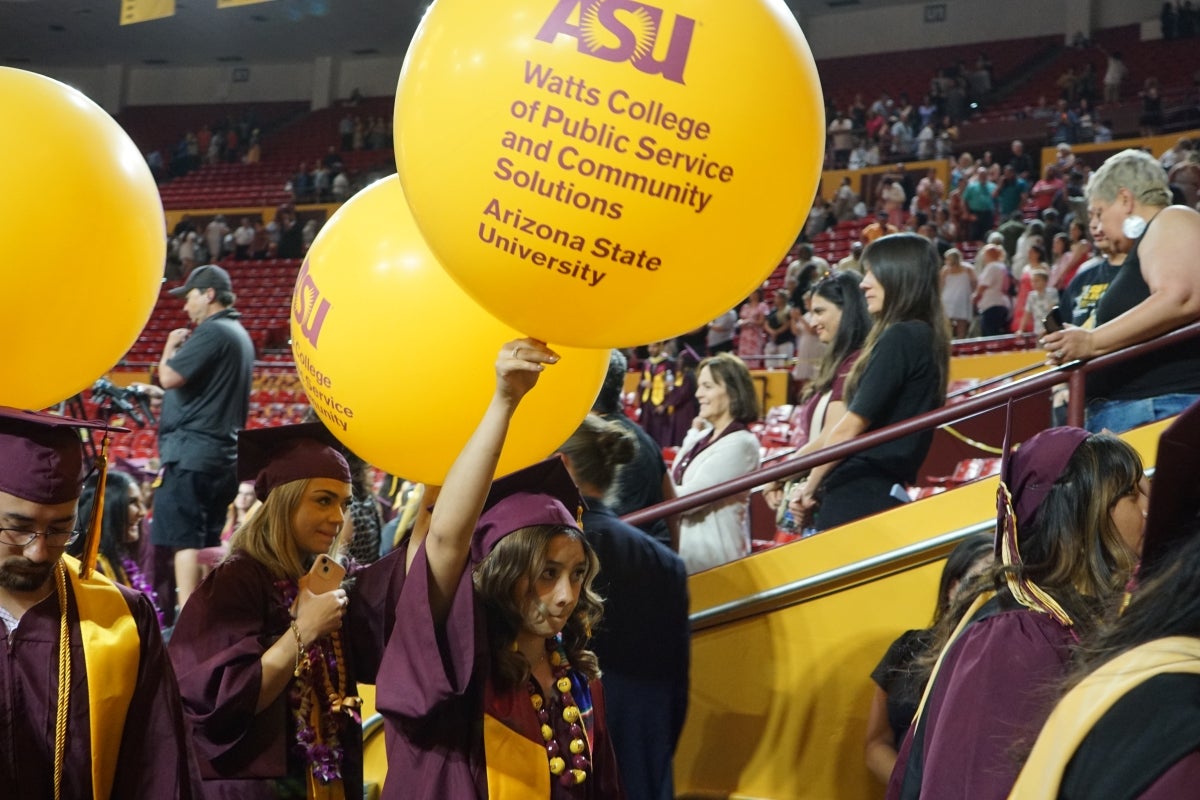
(319, 746)
(137, 581)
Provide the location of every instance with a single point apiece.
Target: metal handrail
(1073, 371)
(806, 588)
(803, 589)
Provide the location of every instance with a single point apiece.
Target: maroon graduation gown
(235, 614)
(995, 689)
(154, 755)
(431, 689)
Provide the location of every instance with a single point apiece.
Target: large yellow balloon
(82, 240)
(399, 361)
(609, 172)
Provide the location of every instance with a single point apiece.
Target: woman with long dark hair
(120, 532)
(901, 373)
(1069, 534)
(1129, 724)
(840, 318)
(488, 689)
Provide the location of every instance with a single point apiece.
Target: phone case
(325, 575)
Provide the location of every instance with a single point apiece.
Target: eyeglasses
(23, 537)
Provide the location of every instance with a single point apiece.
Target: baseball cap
(209, 276)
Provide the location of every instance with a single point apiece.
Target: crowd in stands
(195, 241)
(228, 140)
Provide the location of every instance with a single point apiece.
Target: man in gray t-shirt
(206, 373)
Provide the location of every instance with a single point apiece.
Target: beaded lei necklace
(134, 578)
(315, 711)
(577, 715)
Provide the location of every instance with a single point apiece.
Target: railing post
(1077, 399)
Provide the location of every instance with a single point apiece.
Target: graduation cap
(271, 457)
(1175, 492)
(1027, 474)
(42, 461)
(541, 494)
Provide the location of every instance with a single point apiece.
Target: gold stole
(111, 652)
(1081, 708)
(517, 767)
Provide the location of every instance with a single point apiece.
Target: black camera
(128, 399)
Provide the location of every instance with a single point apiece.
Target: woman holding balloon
(901, 373)
(487, 686)
(268, 653)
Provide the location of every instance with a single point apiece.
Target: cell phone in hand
(325, 575)
(1053, 321)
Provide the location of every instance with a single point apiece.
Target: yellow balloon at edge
(82, 241)
(636, 167)
(400, 363)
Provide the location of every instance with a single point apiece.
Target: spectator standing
(1156, 290)
(979, 198)
(1115, 73)
(958, 287)
(719, 448)
(340, 187)
(720, 333)
(841, 139)
(643, 481)
(781, 341)
(646, 610)
(214, 233)
(991, 293)
(243, 240)
(206, 374)
(1011, 193)
(902, 372)
(1042, 297)
(752, 332)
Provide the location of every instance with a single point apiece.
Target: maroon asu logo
(635, 26)
(308, 312)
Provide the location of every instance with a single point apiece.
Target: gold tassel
(1023, 590)
(64, 680)
(91, 542)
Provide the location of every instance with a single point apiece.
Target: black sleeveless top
(1172, 370)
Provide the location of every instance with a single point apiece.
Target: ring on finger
(515, 351)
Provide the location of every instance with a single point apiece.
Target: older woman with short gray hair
(1156, 291)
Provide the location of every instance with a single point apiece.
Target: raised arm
(448, 542)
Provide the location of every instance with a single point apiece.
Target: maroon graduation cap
(541, 494)
(271, 457)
